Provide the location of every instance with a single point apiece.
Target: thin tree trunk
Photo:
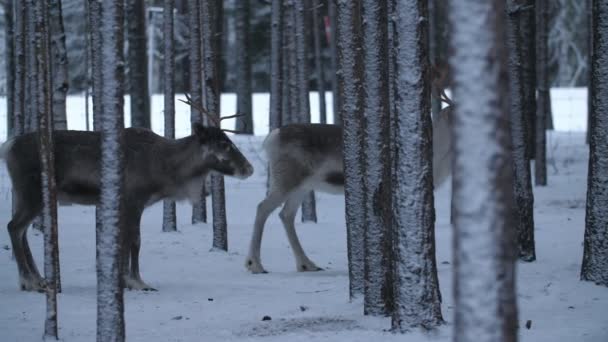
(333, 51)
(542, 88)
(350, 92)
(590, 58)
(9, 51)
(435, 43)
(87, 66)
(243, 68)
(595, 254)
(19, 59)
(59, 62)
(286, 66)
(375, 144)
(524, 198)
(30, 55)
(484, 234)
(138, 63)
(276, 59)
(96, 58)
(210, 10)
(169, 212)
(527, 31)
(47, 162)
(309, 211)
(199, 210)
(316, 30)
(416, 290)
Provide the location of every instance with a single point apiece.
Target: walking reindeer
(305, 157)
(155, 168)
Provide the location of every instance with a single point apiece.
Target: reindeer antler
(216, 121)
(440, 74)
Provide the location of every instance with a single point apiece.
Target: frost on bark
(243, 67)
(138, 63)
(31, 119)
(276, 59)
(19, 58)
(595, 255)
(169, 212)
(96, 72)
(110, 306)
(316, 31)
(9, 50)
(543, 109)
(527, 29)
(286, 65)
(484, 234)
(59, 62)
(199, 209)
(350, 92)
(375, 153)
(333, 51)
(211, 40)
(524, 198)
(47, 162)
(309, 211)
(415, 286)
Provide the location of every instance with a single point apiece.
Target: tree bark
(169, 210)
(543, 111)
(276, 59)
(9, 49)
(243, 68)
(19, 58)
(590, 58)
(59, 65)
(96, 72)
(350, 77)
(527, 32)
(31, 120)
(484, 237)
(524, 198)
(333, 51)
(138, 63)
(595, 254)
(316, 31)
(286, 63)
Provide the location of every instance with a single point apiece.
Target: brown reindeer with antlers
(155, 168)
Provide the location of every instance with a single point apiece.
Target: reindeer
(305, 157)
(155, 168)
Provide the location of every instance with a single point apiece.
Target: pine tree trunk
(543, 109)
(286, 66)
(47, 162)
(590, 58)
(18, 112)
(416, 290)
(276, 59)
(31, 123)
(375, 143)
(210, 10)
(243, 68)
(524, 198)
(595, 254)
(484, 234)
(138, 63)
(96, 72)
(199, 210)
(333, 51)
(169, 210)
(350, 92)
(110, 306)
(316, 31)
(309, 211)
(59, 62)
(9, 50)
(527, 32)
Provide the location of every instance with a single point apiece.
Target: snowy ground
(209, 296)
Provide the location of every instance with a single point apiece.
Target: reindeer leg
(270, 203)
(132, 242)
(288, 215)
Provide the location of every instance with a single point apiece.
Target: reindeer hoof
(33, 284)
(137, 284)
(308, 267)
(255, 267)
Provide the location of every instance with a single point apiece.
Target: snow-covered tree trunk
(137, 60)
(276, 58)
(47, 162)
(590, 57)
(543, 109)
(375, 152)
(350, 77)
(18, 112)
(9, 50)
(211, 39)
(96, 72)
(243, 67)
(595, 255)
(286, 66)
(169, 212)
(110, 306)
(316, 31)
(309, 211)
(290, 50)
(199, 209)
(59, 60)
(527, 29)
(524, 198)
(415, 286)
(484, 229)
(333, 52)
(31, 123)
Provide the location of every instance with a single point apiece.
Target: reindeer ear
(199, 130)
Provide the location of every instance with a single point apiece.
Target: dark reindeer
(155, 168)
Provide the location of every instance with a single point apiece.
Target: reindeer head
(220, 154)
